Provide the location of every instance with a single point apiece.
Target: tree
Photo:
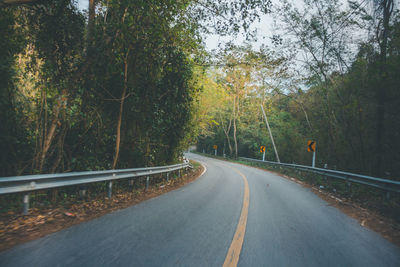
(101, 94)
(384, 10)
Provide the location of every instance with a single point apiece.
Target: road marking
(232, 257)
(204, 170)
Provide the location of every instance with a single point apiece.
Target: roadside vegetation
(331, 77)
(110, 88)
(130, 84)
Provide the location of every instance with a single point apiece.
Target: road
(214, 221)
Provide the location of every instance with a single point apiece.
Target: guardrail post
(82, 191)
(167, 176)
(147, 182)
(387, 195)
(348, 186)
(26, 204)
(109, 190)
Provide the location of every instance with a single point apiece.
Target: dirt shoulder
(16, 228)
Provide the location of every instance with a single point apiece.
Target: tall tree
(384, 10)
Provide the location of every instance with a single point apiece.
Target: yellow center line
(232, 257)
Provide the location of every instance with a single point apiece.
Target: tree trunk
(229, 142)
(92, 13)
(270, 134)
(234, 127)
(49, 136)
(90, 27)
(381, 91)
(121, 109)
(227, 131)
(86, 64)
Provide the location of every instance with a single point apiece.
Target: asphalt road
(285, 225)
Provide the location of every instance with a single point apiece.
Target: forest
(331, 77)
(131, 83)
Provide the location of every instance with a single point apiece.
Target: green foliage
(12, 136)
(61, 100)
(74, 92)
(338, 112)
(229, 17)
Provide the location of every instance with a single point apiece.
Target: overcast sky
(265, 27)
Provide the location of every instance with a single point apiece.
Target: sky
(264, 27)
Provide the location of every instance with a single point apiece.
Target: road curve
(286, 225)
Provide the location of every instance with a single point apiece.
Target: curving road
(232, 215)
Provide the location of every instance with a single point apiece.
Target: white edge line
(204, 171)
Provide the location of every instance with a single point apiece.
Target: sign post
(313, 159)
(215, 148)
(311, 147)
(262, 150)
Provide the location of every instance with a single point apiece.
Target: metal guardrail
(385, 184)
(29, 183)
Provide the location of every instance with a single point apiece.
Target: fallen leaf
(69, 214)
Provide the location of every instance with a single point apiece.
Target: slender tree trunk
(88, 60)
(234, 127)
(38, 132)
(381, 91)
(229, 141)
(60, 151)
(270, 134)
(90, 28)
(92, 14)
(49, 136)
(226, 132)
(306, 116)
(121, 109)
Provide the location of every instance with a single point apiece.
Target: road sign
(262, 150)
(311, 146)
(215, 146)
